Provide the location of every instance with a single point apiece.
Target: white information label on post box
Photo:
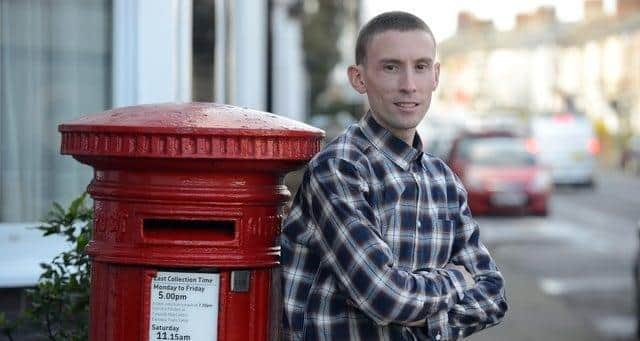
(184, 306)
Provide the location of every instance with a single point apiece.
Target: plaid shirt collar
(388, 144)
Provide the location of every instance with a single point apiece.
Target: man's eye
(422, 67)
(391, 67)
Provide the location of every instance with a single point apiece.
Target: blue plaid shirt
(365, 245)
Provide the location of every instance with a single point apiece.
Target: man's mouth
(406, 105)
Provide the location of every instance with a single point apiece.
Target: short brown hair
(388, 21)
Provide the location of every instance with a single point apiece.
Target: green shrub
(60, 301)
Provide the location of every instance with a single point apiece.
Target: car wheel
(637, 293)
(590, 184)
(636, 167)
(542, 213)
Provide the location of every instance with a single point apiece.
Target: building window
(203, 39)
(55, 64)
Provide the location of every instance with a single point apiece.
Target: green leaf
(61, 297)
(81, 243)
(57, 209)
(76, 204)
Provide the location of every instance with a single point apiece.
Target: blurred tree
(322, 25)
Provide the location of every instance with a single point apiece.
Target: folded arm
(351, 246)
(484, 304)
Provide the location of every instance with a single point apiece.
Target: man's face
(398, 76)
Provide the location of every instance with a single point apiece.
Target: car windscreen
(498, 151)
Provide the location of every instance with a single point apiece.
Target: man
(380, 234)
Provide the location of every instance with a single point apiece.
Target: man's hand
(468, 280)
(417, 323)
(469, 283)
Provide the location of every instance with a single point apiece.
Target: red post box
(188, 201)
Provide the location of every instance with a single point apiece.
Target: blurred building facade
(62, 59)
(544, 65)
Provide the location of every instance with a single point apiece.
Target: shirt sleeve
(362, 263)
(484, 304)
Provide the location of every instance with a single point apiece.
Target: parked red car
(501, 173)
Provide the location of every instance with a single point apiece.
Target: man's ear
(356, 78)
(436, 75)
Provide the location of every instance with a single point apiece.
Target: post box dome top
(197, 118)
(206, 130)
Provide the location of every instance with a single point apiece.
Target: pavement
(533, 315)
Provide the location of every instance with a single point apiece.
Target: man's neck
(406, 135)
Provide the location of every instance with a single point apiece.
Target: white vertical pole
(152, 51)
(249, 27)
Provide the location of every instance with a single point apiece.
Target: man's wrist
(457, 282)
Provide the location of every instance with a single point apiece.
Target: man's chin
(408, 123)
(408, 117)
(405, 125)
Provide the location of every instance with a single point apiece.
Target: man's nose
(408, 82)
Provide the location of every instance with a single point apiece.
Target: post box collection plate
(184, 306)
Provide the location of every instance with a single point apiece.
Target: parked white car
(567, 144)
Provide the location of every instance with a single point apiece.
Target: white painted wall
(223, 48)
(289, 75)
(151, 51)
(249, 26)
(152, 54)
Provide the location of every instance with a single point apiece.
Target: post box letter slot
(189, 230)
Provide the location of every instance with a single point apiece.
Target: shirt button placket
(417, 230)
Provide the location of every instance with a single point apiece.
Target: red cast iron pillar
(188, 203)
